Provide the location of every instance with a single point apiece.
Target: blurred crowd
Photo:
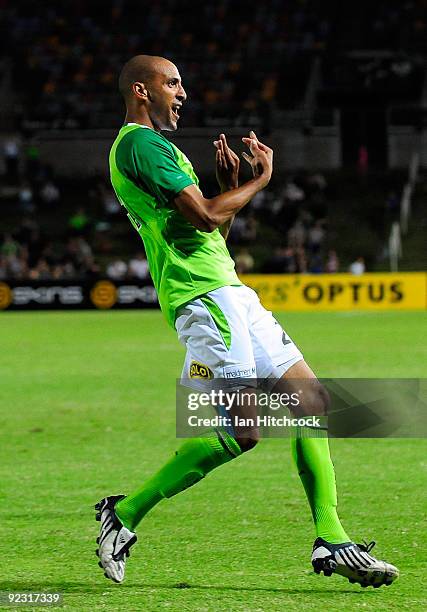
(237, 61)
(297, 209)
(64, 231)
(68, 55)
(27, 255)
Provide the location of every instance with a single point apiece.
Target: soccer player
(226, 331)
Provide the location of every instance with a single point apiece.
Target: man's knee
(324, 401)
(315, 401)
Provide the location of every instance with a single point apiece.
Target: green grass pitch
(87, 409)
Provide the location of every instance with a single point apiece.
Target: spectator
(41, 271)
(49, 193)
(316, 264)
(301, 260)
(316, 235)
(17, 265)
(48, 253)
(11, 156)
(117, 269)
(90, 268)
(283, 261)
(79, 221)
(9, 245)
(32, 165)
(276, 204)
(138, 266)
(358, 266)
(237, 229)
(251, 229)
(293, 193)
(26, 198)
(83, 248)
(297, 234)
(68, 269)
(318, 181)
(27, 229)
(109, 201)
(3, 268)
(244, 229)
(244, 261)
(259, 200)
(58, 272)
(332, 264)
(72, 251)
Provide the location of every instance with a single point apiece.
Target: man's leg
(192, 461)
(215, 333)
(333, 551)
(310, 450)
(119, 515)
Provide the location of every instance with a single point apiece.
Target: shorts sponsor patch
(239, 370)
(199, 370)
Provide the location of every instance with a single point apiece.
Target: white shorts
(229, 335)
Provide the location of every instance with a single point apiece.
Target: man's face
(166, 95)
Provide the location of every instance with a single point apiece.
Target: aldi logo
(199, 370)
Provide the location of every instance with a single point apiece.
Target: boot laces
(366, 547)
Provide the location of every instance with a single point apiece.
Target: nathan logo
(6, 296)
(239, 371)
(103, 295)
(198, 370)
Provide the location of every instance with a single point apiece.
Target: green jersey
(147, 172)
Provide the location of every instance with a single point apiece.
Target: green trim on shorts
(219, 318)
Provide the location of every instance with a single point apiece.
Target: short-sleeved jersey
(147, 172)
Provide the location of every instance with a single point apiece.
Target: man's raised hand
(261, 161)
(227, 165)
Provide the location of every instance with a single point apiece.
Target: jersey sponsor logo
(239, 371)
(199, 370)
(104, 294)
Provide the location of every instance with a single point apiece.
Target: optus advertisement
(376, 291)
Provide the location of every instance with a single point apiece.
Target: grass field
(87, 409)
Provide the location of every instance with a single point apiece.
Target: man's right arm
(208, 214)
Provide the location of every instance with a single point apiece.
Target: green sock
(191, 462)
(317, 474)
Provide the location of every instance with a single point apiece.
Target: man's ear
(140, 90)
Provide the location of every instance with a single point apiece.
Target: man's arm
(209, 214)
(225, 227)
(227, 165)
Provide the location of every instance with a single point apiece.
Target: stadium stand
(59, 71)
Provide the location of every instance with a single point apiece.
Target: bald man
(227, 333)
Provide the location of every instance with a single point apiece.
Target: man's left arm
(225, 228)
(227, 173)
